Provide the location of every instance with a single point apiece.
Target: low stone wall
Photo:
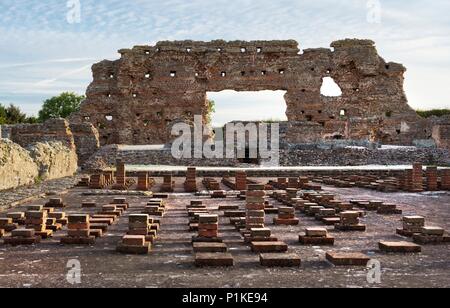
(108, 155)
(39, 161)
(364, 156)
(319, 155)
(52, 130)
(86, 140)
(17, 168)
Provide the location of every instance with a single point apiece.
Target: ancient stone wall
(16, 166)
(441, 135)
(52, 130)
(136, 99)
(54, 160)
(39, 161)
(86, 140)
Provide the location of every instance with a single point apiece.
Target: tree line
(60, 106)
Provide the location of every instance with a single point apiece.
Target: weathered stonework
(16, 166)
(54, 130)
(136, 99)
(86, 140)
(441, 135)
(54, 159)
(39, 161)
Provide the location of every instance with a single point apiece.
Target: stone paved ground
(9, 197)
(170, 264)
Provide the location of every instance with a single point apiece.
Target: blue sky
(42, 54)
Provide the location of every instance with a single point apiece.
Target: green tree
(12, 115)
(211, 109)
(60, 106)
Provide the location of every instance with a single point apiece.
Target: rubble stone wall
(86, 140)
(54, 160)
(17, 168)
(136, 99)
(40, 161)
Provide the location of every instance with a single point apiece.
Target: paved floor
(170, 263)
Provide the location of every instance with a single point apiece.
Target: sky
(46, 47)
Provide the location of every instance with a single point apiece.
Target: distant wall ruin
(136, 99)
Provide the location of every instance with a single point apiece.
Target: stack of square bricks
(208, 246)
(413, 181)
(293, 183)
(281, 183)
(211, 184)
(36, 219)
(120, 176)
(55, 203)
(291, 193)
(78, 231)
(219, 194)
(109, 177)
(303, 181)
(286, 216)
(97, 181)
(411, 225)
(167, 185)
(139, 237)
(445, 179)
(316, 236)
(431, 235)
(195, 209)
(432, 178)
(259, 235)
(51, 222)
(143, 181)
(350, 222)
(255, 204)
(7, 225)
(208, 227)
(22, 237)
(17, 217)
(60, 217)
(191, 182)
(241, 180)
(155, 207)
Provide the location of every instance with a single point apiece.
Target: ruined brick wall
(441, 135)
(86, 140)
(54, 130)
(136, 99)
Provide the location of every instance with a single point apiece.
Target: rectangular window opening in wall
(343, 112)
(243, 50)
(253, 106)
(173, 74)
(259, 49)
(281, 71)
(147, 75)
(263, 73)
(223, 74)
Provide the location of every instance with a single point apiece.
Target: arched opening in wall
(330, 88)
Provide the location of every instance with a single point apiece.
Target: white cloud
(39, 45)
